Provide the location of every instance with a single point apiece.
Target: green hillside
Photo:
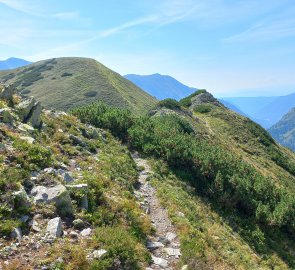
(228, 186)
(64, 83)
(284, 130)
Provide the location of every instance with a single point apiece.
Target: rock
(76, 140)
(25, 128)
(160, 261)
(185, 267)
(170, 236)
(67, 177)
(54, 227)
(29, 140)
(173, 252)
(73, 235)
(97, 254)
(6, 116)
(154, 245)
(35, 115)
(21, 198)
(86, 232)
(78, 224)
(95, 134)
(180, 214)
(6, 92)
(35, 226)
(58, 194)
(17, 234)
(24, 218)
(204, 98)
(50, 170)
(24, 108)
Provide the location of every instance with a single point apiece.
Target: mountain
(232, 107)
(161, 86)
(12, 63)
(64, 83)
(284, 130)
(264, 110)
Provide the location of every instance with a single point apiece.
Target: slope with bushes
(229, 165)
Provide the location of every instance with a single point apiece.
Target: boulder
(17, 234)
(6, 116)
(97, 254)
(24, 108)
(35, 115)
(21, 198)
(174, 252)
(58, 195)
(6, 92)
(67, 177)
(28, 139)
(54, 227)
(86, 232)
(160, 262)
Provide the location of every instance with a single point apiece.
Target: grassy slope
(44, 80)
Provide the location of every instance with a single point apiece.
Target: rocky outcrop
(204, 98)
(6, 92)
(58, 195)
(54, 227)
(29, 111)
(6, 116)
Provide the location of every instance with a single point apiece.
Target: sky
(229, 47)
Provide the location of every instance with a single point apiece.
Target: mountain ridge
(12, 63)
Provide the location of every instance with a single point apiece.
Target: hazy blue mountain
(12, 63)
(232, 107)
(284, 130)
(161, 86)
(264, 110)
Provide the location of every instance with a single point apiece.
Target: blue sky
(230, 47)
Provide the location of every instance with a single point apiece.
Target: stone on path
(160, 261)
(173, 252)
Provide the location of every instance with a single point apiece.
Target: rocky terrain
(60, 181)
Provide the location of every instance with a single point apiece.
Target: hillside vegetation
(64, 83)
(228, 186)
(284, 130)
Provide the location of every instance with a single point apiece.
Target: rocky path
(164, 244)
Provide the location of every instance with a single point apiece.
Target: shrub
(203, 108)
(169, 103)
(123, 252)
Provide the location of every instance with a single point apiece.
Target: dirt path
(164, 244)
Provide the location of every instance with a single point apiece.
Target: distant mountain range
(266, 111)
(284, 130)
(12, 63)
(64, 83)
(161, 86)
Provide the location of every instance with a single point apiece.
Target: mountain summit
(161, 86)
(12, 63)
(64, 83)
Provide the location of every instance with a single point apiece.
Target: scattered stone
(29, 140)
(35, 226)
(154, 245)
(68, 178)
(17, 234)
(160, 261)
(86, 232)
(25, 128)
(185, 267)
(54, 227)
(58, 194)
(97, 254)
(173, 252)
(170, 236)
(180, 214)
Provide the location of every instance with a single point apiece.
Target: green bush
(169, 103)
(203, 108)
(123, 252)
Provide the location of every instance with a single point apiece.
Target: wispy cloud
(265, 31)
